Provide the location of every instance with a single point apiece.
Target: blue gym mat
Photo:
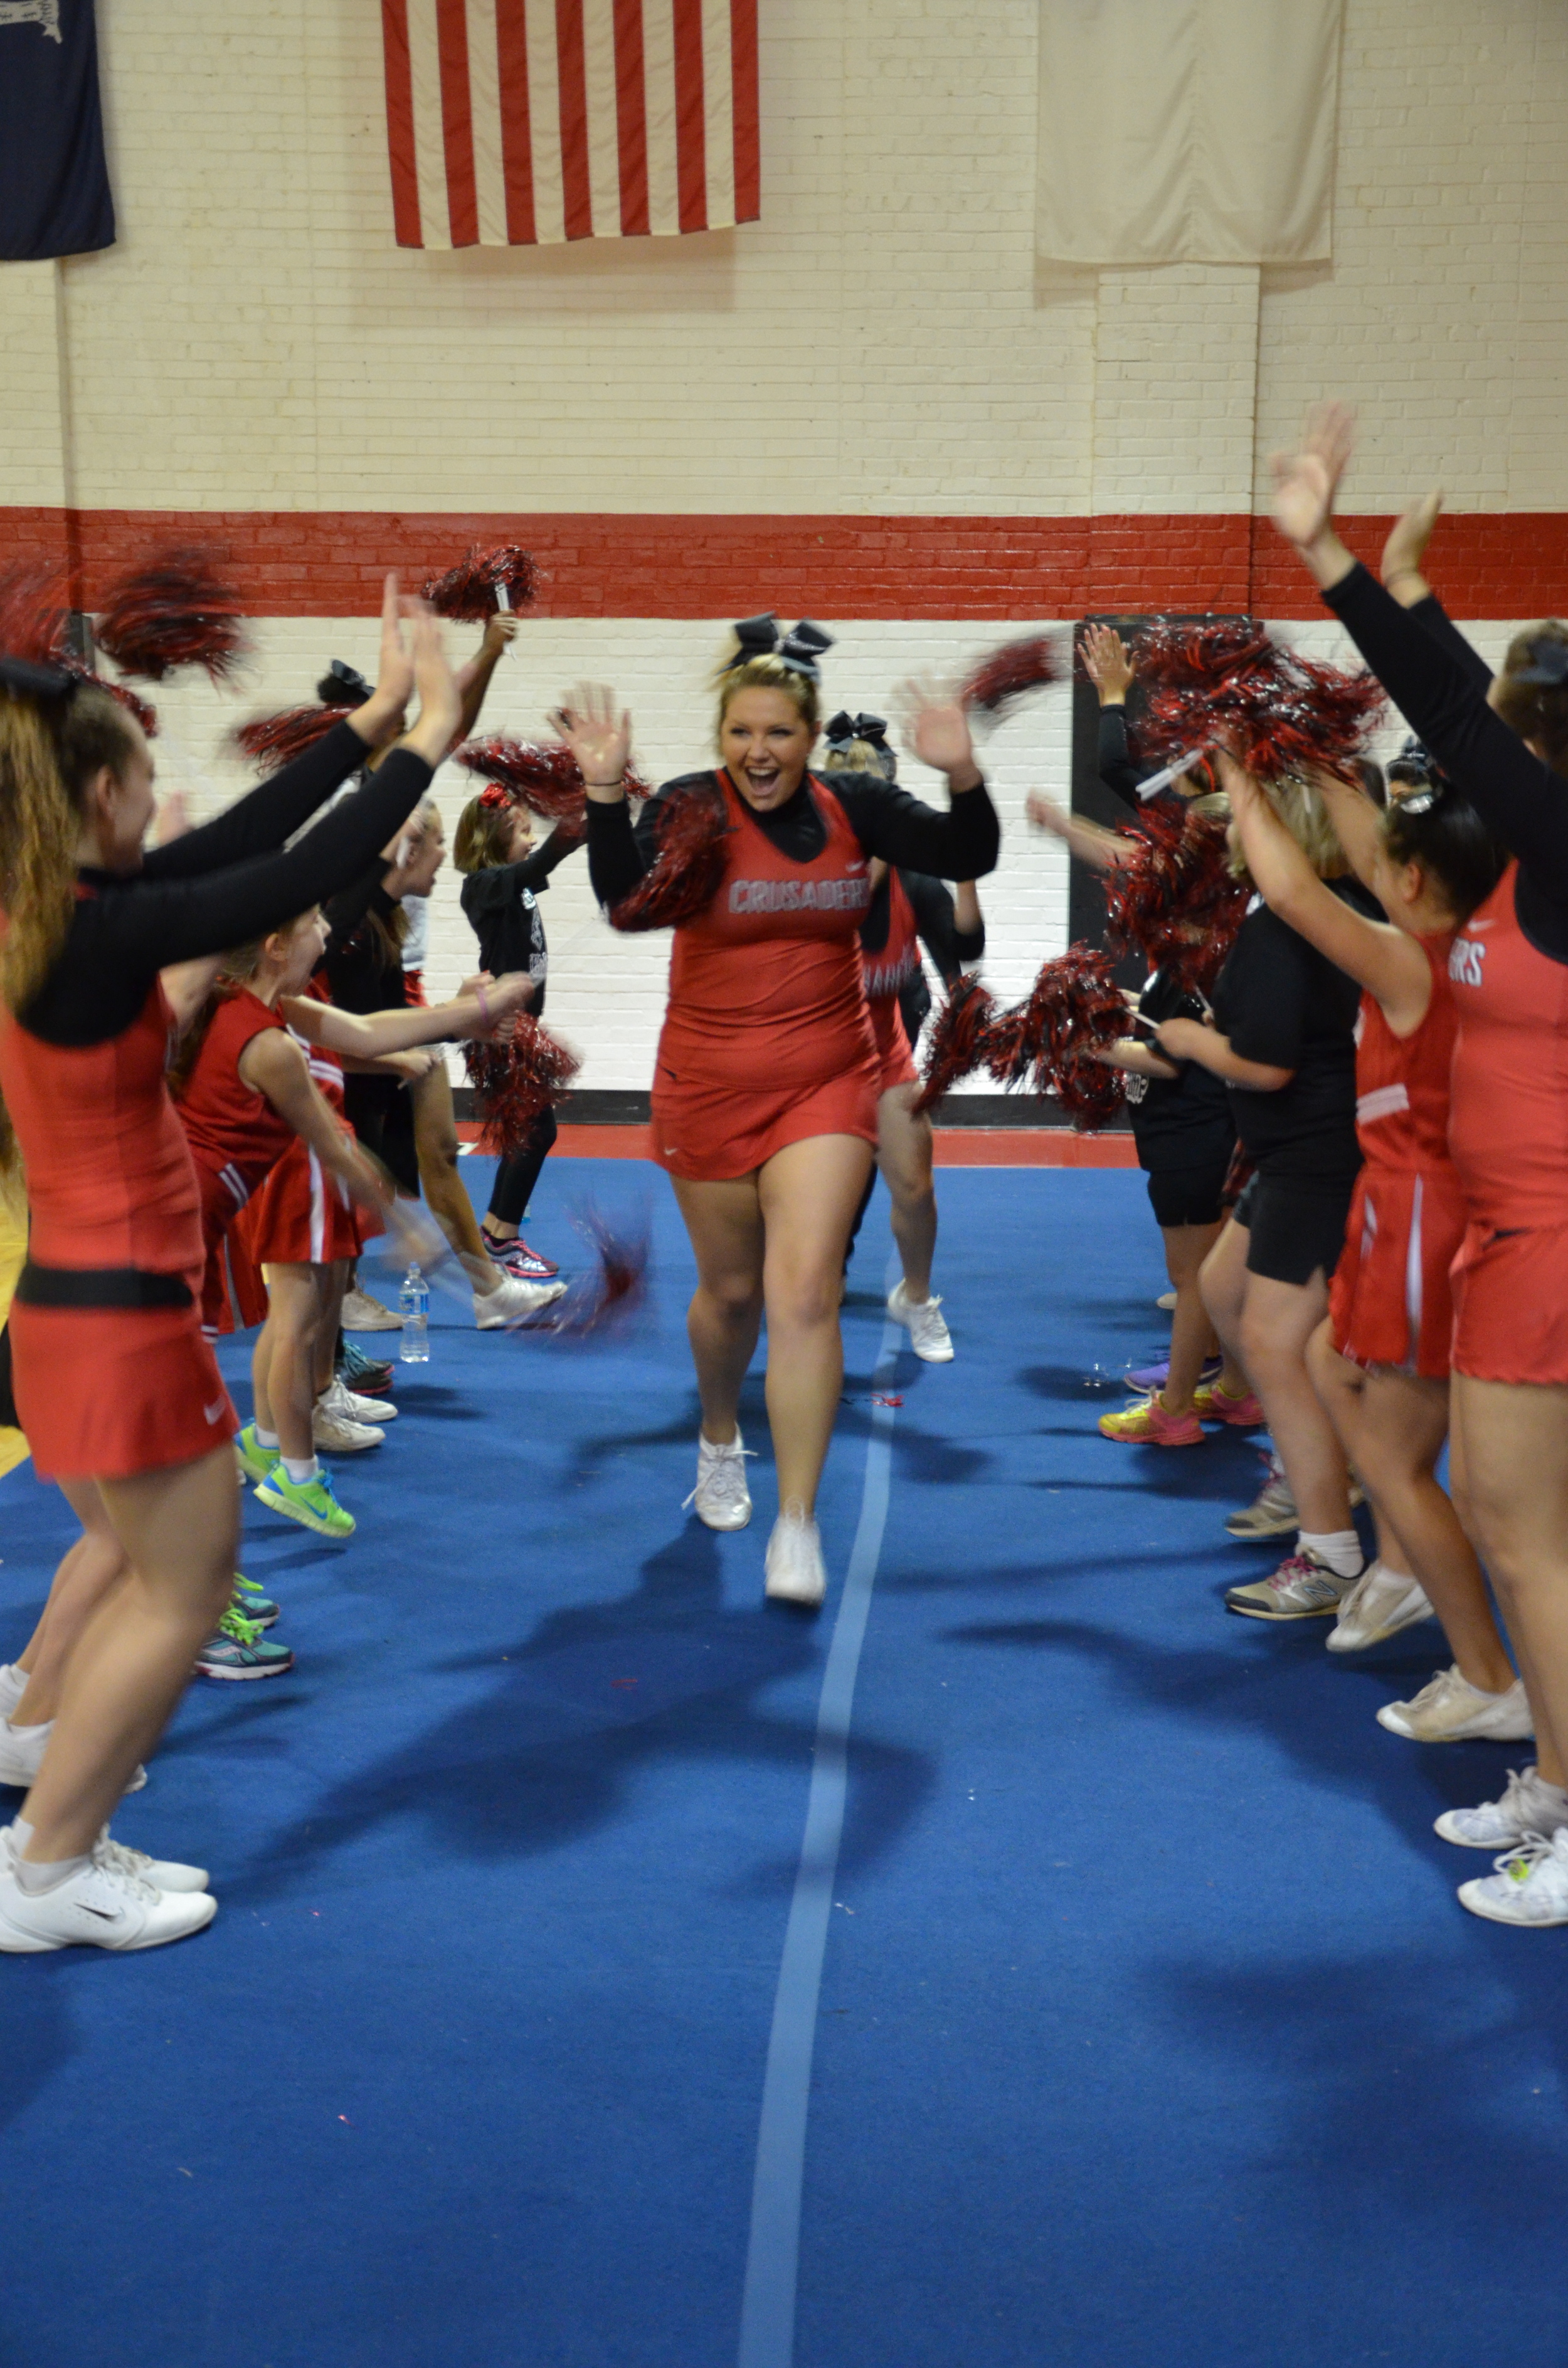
(1149, 2032)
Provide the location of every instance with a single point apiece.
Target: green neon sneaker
(248, 1600)
(310, 1502)
(255, 1459)
(239, 1650)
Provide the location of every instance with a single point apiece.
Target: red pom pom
(613, 1286)
(1174, 900)
(693, 823)
(516, 1079)
(956, 1041)
(175, 611)
(998, 684)
(35, 615)
(467, 592)
(274, 741)
(1230, 683)
(545, 778)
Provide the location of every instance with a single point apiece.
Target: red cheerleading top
(1401, 1082)
(110, 1178)
(1508, 1127)
(765, 983)
(234, 1134)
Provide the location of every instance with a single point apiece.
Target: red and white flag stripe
(524, 123)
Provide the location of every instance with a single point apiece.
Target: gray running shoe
(1301, 1588)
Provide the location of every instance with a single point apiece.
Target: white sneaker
(928, 1335)
(1380, 1603)
(163, 1873)
(334, 1434)
(363, 1313)
(338, 1399)
(1301, 1588)
(13, 1686)
(101, 1905)
(513, 1302)
(1529, 1806)
(21, 1756)
(722, 1498)
(1530, 1886)
(1272, 1513)
(1450, 1710)
(795, 1571)
(1167, 1303)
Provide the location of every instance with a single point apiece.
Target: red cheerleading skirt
(713, 1135)
(897, 1059)
(301, 1216)
(105, 1393)
(1510, 1306)
(1390, 1302)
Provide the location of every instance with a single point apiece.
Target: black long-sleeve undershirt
(1442, 696)
(127, 926)
(1113, 760)
(886, 821)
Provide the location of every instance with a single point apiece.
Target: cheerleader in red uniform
(1381, 1359)
(767, 1079)
(113, 1378)
(1505, 746)
(303, 1229)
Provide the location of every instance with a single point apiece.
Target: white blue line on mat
(773, 2251)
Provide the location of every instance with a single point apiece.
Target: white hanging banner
(1187, 131)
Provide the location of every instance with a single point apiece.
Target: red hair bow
(494, 796)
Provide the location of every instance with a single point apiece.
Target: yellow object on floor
(13, 1250)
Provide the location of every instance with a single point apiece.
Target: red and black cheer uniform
(766, 1038)
(112, 1376)
(237, 1137)
(501, 902)
(1508, 966)
(1391, 1302)
(1183, 1127)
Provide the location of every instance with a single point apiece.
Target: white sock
(1340, 1549)
(266, 1437)
(13, 1686)
(302, 1470)
(34, 1879)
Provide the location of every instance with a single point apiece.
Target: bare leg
(294, 1317)
(1277, 1321)
(133, 1661)
(1393, 1427)
(331, 1281)
(808, 1193)
(1510, 1474)
(1192, 1333)
(92, 1567)
(904, 1154)
(724, 1222)
(436, 1140)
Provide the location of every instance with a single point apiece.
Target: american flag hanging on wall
(524, 123)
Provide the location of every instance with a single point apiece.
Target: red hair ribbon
(497, 799)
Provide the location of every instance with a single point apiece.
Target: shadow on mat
(594, 1695)
(40, 2031)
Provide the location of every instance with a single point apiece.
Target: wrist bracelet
(619, 782)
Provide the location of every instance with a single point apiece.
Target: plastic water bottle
(413, 1306)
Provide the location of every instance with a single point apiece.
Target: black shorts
(1188, 1196)
(1295, 1229)
(380, 1111)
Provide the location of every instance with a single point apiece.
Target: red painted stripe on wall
(329, 564)
(400, 124)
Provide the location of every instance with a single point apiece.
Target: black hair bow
(844, 727)
(30, 680)
(1548, 668)
(799, 648)
(343, 686)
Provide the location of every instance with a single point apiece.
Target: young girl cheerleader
(303, 1234)
(1381, 1359)
(1507, 752)
(504, 875)
(765, 1087)
(1282, 1038)
(113, 1379)
(1185, 1135)
(906, 908)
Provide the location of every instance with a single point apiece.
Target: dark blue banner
(54, 193)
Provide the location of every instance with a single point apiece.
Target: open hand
(1406, 546)
(440, 702)
(1046, 814)
(1306, 482)
(1106, 663)
(599, 736)
(383, 711)
(935, 729)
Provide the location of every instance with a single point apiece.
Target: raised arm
(473, 678)
(1388, 963)
(270, 816)
(368, 1035)
(1090, 841)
